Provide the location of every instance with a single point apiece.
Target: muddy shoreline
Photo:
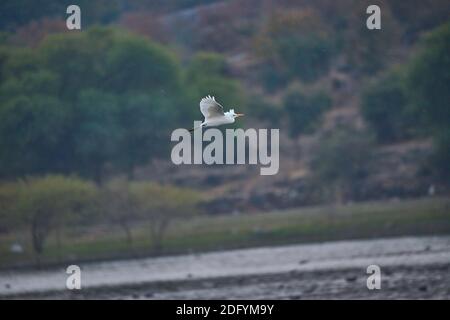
(411, 268)
(424, 282)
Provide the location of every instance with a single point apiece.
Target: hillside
(397, 168)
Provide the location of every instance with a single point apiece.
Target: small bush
(263, 109)
(50, 202)
(304, 111)
(384, 105)
(341, 159)
(298, 44)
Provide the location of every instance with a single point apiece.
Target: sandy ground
(413, 267)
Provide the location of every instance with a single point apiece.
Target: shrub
(384, 105)
(160, 205)
(304, 111)
(50, 202)
(297, 43)
(342, 157)
(428, 83)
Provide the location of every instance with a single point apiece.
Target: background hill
(363, 114)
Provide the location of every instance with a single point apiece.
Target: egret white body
(214, 114)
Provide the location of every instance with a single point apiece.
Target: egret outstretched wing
(210, 108)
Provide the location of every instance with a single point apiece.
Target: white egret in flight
(214, 115)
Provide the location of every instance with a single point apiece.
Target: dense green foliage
(84, 101)
(296, 44)
(208, 74)
(160, 205)
(78, 107)
(45, 204)
(415, 101)
(305, 111)
(50, 203)
(341, 160)
(429, 87)
(429, 78)
(385, 106)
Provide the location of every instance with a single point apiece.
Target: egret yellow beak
(239, 115)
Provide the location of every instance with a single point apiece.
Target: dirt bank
(413, 267)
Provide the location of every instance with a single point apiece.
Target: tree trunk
(37, 237)
(59, 244)
(158, 229)
(128, 234)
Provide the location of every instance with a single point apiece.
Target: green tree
(81, 102)
(4, 55)
(298, 43)
(136, 65)
(385, 106)
(428, 87)
(8, 199)
(97, 133)
(263, 109)
(419, 15)
(144, 123)
(369, 51)
(48, 203)
(429, 78)
(209, 74)
(118, 206)
(30, 131)
(304, 111)
(441, 157)
(341, 160)
(160, 205)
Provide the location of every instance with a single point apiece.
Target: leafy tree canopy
(82, 101)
